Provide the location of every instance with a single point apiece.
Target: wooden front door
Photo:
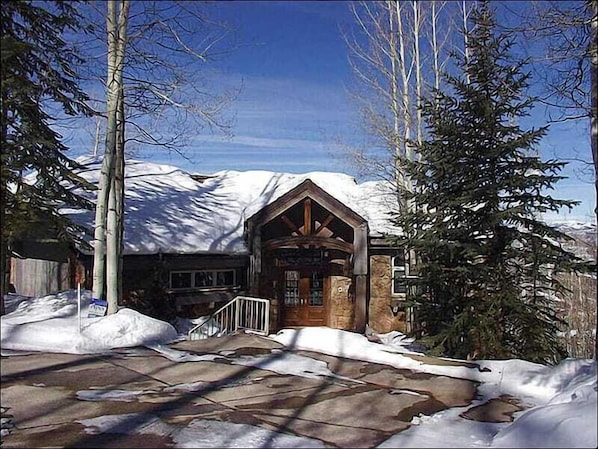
(304, 301)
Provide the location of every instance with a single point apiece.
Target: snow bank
(51, 324)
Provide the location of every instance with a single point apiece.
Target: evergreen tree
(486, 263)
(36, 78)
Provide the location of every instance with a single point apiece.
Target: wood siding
(38, 277)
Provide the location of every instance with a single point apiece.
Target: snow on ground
(563, 398)
(200, 433)
(283, 363)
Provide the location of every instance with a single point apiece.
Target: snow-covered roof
(170, 210)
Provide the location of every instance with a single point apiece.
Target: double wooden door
(304, 302)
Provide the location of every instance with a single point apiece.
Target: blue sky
(292, 110)
(293, 113)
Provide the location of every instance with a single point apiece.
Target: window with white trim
(202, 279)
(399, 286)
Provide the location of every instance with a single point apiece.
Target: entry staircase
(242, 313)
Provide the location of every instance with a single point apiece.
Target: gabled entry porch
(309, 257)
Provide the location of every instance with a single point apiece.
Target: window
(202, 279)
(291, 288)
(399, 286)
(316, 290)
(224, 278)
(180, 280)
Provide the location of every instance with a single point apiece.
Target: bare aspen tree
(434, 11)
(97, 122)
(393, 74)
(116, 27)
(96, 145)
(116, 215)
(378, 62)
(579, 309)
(405, 68)
(565, 59)
(394, 94)
(593, 53)
(594, 127)
(400, 94)
(154, 49)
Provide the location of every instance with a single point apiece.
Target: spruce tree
(486, 262)
(37, 78)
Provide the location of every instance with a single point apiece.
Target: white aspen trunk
(465, 43)
(435, 48)
(412, 257)
(593, 50)
(119, 172)
(405, 101)
(405, 97)
(115, 210)
(99, 255)
(391, 62)
(418, 70)
(116, 35)
(115, 219)
(111, 252)
(113, 231)
(399, 153)
(96, 145)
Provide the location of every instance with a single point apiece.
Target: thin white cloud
(265, 142)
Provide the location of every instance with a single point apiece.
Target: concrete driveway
(51, 400)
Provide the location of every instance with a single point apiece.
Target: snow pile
(51, 324)
(568, 419)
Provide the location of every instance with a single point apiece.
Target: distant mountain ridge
(584, 235)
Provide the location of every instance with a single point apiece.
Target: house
(313, 244)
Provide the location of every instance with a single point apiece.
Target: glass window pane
(399, 286)
(398, 281)
(398, 274)
(225, 278)
(316, 290)
(398, 261)
(204, 279)
(180, 280)
(291, 288)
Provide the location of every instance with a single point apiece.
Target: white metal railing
(240, 313)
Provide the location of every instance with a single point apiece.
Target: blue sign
(97, 308)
